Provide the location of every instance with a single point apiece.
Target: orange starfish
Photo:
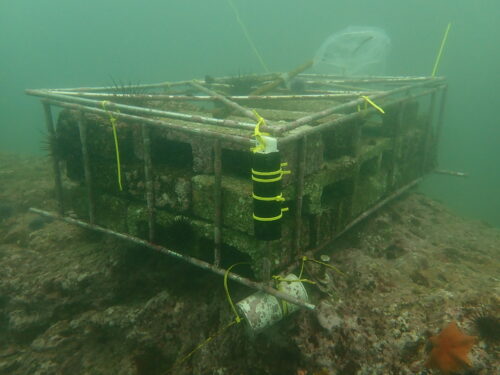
(450, 349)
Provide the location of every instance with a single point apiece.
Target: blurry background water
(62, 43)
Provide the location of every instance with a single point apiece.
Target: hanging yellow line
(247, 35)
(441, 48)
(112, 120)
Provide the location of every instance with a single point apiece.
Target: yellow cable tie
(264, 180)
(299, 280)
(265, 219)
(261, 143)
(372, 103)
(274, 218)
(258, 173)
(278, 198)
(325, 264)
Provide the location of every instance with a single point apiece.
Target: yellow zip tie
(279, 171)
(372, 103)
(299, 280)
(271, 218)
(441, 48)
(261, 144)
(112, 120)
(264, 180)
(323, 264)
(278, 198)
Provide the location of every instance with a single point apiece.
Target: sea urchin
(488, 327)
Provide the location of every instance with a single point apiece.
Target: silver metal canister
(262, 310)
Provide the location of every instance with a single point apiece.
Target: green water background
(62, 43)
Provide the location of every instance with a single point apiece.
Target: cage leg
(218, 202)
(82, 127)
(148, 175)
(299, 197)
(49, 122)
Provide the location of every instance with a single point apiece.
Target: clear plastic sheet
(354, 51)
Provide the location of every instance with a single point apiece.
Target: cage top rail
(237, 139)
(321, 114)
(140, 110)
(92, 101)
(202, 98)
(263, 77)
(349, 117)
(165, 84)
(369, 79)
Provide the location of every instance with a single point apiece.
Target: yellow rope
(306, 259)
(441, 48)
(202, 344)
(237, 320)
(247, 35)
(325, 264)
(112, 120)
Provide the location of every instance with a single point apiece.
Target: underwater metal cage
(168, 165)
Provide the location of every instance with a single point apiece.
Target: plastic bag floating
(354, 51)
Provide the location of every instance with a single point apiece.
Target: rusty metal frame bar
(428, 133)
(337, 94)
(49, 122)
(354, 222)
(299, 195)
(396, 143)
(194, 261)
(229, 103)
(440, 121)
(352, 104)
(87, 172)
(217, 202)
(240, 140)
(148, 176)
(128, 109)
(346, 118)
